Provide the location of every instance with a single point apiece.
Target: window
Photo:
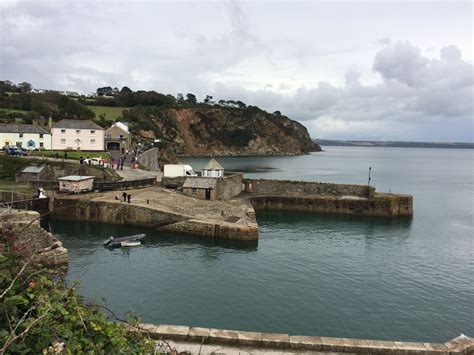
(18, 144)
(63, 131)
(41, 135)
(92, 131)
(121, 136)
(193, 190)
(63, 141)
(108, 136)
(21, 135)
(41, 144)
(78, 131)
(92, 141)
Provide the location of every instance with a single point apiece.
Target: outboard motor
(108, 240)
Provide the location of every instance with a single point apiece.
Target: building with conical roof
(213, 169)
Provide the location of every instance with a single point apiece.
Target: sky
(374, 70)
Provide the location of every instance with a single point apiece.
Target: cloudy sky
(380, 70)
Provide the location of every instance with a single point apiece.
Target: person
(121, 163)
(57, 155)
(65, 155)
(124, 195)
(81, 160)
(129, 197)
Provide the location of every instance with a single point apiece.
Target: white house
(213, 169)
(77, 135)
(26, 136)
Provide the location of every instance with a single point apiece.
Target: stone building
(118, 137)
(77, 135)
(210, 188)
(201, 187)
(26, 136)
(33, 173)
(213, 169)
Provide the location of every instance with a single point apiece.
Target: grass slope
(111, 113)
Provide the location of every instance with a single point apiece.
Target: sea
(408, 279)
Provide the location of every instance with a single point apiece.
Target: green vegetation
(111, 113)
(11, 110)
(16, 187)
(71, 154)
(9, 166)
(40, 314)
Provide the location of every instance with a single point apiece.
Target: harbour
(308, 274)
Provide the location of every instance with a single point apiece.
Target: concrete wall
(150, 159)
(260, 186)
(378, 205)
(229, 186)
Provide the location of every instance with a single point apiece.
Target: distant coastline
(394, 144)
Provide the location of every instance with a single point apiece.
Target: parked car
(16, 151)
(92, 161)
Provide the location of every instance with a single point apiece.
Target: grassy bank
(16, 187)
(70, 154)
(111, 113)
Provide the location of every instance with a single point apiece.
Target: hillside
(187, 127)
(222, 131)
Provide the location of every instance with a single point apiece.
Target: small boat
(130, 241)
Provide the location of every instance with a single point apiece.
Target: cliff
(201, 131)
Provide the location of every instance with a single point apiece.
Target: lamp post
(370, 168)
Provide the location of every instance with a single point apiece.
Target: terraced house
(26, 136)
(77, 135)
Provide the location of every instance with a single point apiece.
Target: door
(208, 194)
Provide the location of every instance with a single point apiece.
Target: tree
(125, 89)
(208, 99)
(240, 104)
(277, 113)
(25, 87)
(191, 99)
(105, 91)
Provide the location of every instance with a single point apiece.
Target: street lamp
(370, 168)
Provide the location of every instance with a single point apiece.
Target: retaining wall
(263, 186)
(229, 186)
(150, 159)
(459, 345)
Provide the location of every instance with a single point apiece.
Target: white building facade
(77, 135)
(30, 137)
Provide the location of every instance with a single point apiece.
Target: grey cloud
(429, 97)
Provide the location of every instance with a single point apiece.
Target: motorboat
(130, 241)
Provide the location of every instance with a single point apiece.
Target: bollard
(147, 201)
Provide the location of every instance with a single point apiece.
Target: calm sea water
(328, 275)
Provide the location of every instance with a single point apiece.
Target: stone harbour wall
(459, 345)
(378, 205)
(128, 214)
(112, 212)
(264, 186)
(215, 229)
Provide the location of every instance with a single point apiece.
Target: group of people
(126, 197)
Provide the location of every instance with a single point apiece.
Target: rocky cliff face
(227, 131)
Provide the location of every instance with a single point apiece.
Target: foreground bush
(40, 314)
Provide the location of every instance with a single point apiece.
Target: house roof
(75, 178)
(213, 165)
(200, 183)
(22, 128)
(77, 124)
(33, 169)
